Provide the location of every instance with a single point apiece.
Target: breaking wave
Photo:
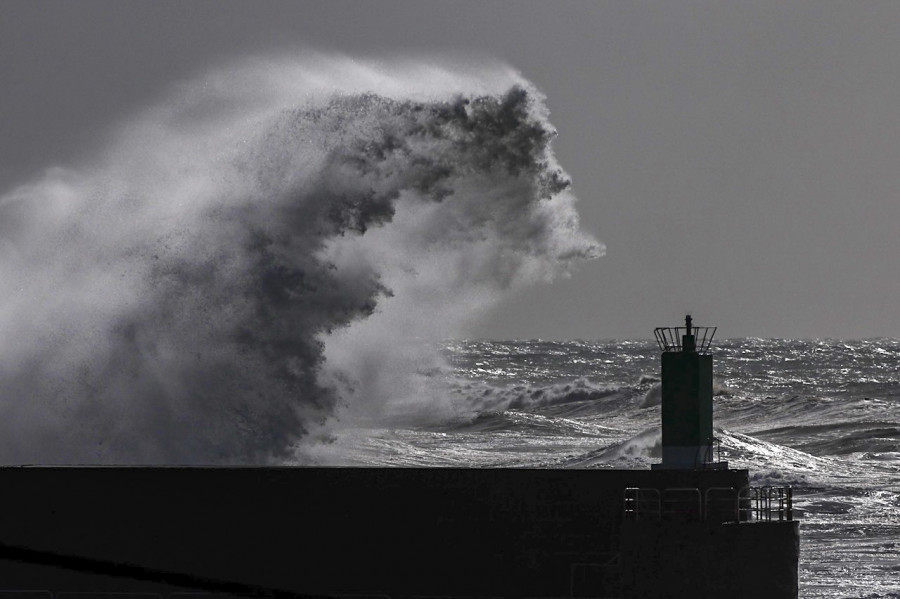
(482, 397)
(269, 247)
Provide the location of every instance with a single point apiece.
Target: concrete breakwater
(397, 532)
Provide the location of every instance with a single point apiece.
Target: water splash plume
(264, 249)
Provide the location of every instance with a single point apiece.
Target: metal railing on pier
(713, 504)
(766, 504)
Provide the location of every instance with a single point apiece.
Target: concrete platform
(404, 532)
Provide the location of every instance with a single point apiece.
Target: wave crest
(251, 254)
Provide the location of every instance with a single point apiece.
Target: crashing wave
(260, 252)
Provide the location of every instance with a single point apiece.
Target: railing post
(706, 501)
(635, 496)
(762, 503)
(667, 499)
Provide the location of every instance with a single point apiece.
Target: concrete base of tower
(688, 457)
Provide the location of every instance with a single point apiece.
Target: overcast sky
(740, 160)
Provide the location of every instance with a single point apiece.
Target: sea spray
(268, 247)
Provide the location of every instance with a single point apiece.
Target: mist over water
(269, 249)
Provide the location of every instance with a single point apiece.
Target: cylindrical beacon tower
(687, 376)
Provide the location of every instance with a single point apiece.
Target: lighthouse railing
(670, 338)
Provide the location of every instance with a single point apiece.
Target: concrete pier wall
(341, 531)
(729, 560)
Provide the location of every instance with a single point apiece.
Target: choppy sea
(820, 415)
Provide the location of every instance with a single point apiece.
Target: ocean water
(822, 416)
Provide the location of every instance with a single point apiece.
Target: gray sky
(740, 160)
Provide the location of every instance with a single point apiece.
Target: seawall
(404, 532)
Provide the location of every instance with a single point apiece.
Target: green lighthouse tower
(687, 376)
